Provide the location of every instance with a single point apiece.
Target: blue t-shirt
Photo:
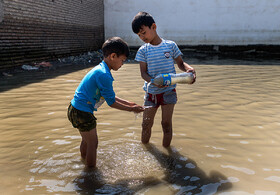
(95, 88)
(160, 60)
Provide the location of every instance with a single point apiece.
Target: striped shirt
(160, 60)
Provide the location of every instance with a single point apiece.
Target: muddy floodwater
(226, 135)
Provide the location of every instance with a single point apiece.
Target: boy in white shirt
(157, 56)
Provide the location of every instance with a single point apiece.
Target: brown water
(226, 136)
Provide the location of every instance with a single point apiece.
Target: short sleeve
(176, 51)
(105, 85)
(140, 55)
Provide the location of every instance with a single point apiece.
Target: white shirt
(160, 60)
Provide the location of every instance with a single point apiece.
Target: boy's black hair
(142, 18)
(115, 45)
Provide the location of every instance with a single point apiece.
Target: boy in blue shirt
(95, 88)
(157, 56)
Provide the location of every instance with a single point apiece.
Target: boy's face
(117, 61)
(147, 34)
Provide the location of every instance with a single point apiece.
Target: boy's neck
(156, 41)
(108, 62)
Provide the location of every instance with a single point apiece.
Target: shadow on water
(19, 78)
(91, 181)
(180, 172)
(186, 176)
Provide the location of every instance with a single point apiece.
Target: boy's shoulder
(165, 43)
(169, 41)
(100, 69)
(145, 45)
(143, 48)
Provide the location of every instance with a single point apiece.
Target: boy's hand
(132, 104)
(136, 108)
(194, 74)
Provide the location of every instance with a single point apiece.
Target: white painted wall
(199, 22)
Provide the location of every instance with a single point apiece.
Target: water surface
(226, 136)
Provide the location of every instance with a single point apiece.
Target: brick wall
(33, 30)
(1, 10)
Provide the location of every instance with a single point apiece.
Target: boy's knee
(92, 145)
(147, 124)
(96, 145)
(166, 125)
(83, 143)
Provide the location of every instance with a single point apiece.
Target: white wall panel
(199, 22)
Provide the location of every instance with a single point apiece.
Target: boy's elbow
(113, 105)
(143, 75)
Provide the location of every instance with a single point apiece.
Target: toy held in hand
(171, 79)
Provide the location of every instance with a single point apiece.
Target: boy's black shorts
(84, 121)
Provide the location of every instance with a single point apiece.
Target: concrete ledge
(247, 49)
(223, 54)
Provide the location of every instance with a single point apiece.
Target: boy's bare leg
(148, 121)
(91, 140)
(167, 112)
(83, 148)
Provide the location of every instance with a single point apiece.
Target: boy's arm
(145, 75)
(143, 70)
(126, 105)
(184, 66)
(125, 102)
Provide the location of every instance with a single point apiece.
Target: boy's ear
(154, 26)
(113, 55)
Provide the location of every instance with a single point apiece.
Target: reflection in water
(226, 136)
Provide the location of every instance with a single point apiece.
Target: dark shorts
(84, 121)
(155, 100)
